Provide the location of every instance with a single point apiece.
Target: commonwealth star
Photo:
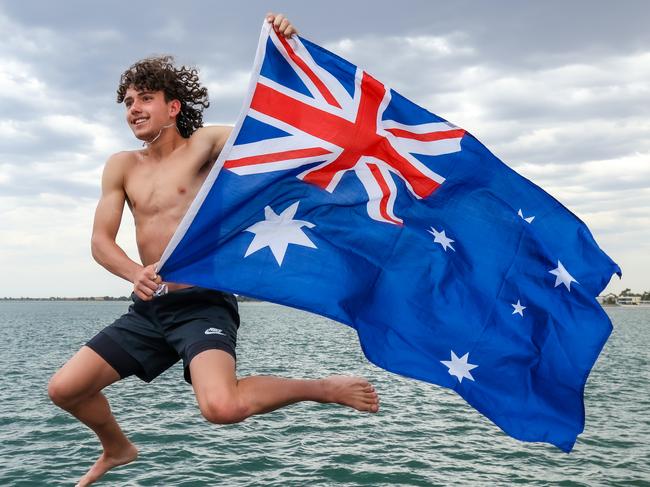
(278, 231)
(459, 367)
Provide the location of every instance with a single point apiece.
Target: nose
(135, 107)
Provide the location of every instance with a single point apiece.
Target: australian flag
(337, 195)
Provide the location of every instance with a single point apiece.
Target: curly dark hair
(182, 84)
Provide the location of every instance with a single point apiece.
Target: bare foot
(106, 462)
(355, 392)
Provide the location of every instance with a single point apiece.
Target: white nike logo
(214, 331)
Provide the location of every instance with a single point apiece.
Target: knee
(223, 411)
(61, 392)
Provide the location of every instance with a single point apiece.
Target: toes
(367, 396)
(372, 408)
(371, 395)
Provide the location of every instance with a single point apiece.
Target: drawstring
(148, 144)
(162, 288)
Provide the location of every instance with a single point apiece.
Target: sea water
(423, 434)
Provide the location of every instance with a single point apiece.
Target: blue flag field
(337, 195)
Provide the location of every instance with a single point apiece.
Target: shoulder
(117, 164)
(122, 158)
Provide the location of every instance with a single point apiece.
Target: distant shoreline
(241, 299)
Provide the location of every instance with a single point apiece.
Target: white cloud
(32, 41)
(13, 130)
(19, 83)
(410, 47)
(436, 45)
(226, 85)
(103, 138)
(46, 248)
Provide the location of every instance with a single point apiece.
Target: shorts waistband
(184, 291)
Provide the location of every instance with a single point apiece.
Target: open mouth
(139, 121)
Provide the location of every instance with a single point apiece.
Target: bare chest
(154, 189)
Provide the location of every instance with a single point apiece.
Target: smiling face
(147, 112)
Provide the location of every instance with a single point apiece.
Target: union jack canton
(343, 130)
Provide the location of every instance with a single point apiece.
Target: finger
(150, 272)
(270, 17)
(290, 31)
(283, 26)
(277, 21)
(141, 295)
(149, 285)
(152, 285)
(158, 280)
(147, 288)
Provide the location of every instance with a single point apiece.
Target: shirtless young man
(164, 109)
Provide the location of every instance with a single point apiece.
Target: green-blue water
(423, 435)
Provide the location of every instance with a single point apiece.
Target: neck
(163, 143)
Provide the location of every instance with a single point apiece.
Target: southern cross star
(459, 367)
(519, 309)
(528, 219)
(442, 239)
(278, 231)
(562, 276)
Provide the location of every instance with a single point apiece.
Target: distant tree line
(645, 296)
(241, 299)
(627, 292)
(80, 298)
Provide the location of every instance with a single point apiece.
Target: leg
(76, 388)
(223, 399)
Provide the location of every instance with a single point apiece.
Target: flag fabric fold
(337, 195)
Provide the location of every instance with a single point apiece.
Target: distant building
(629, 300)
(608, 299)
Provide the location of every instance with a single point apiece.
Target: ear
(174, 108)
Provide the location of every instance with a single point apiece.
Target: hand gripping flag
(337, 195)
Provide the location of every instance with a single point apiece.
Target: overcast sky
(560, 91)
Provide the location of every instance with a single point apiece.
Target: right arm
(108, 216)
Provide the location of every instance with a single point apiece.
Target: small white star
(562, 276)
(519, 309)
(528, 219)
(442, 239)
(278, 231)
(459, 367)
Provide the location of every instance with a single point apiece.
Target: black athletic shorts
(154, 335)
